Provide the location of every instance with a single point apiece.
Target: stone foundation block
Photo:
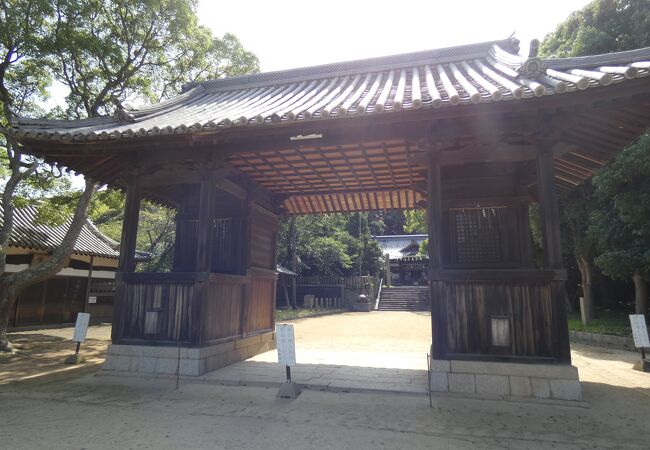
(440, 365)
(541, 388)
(157, 360)
(564, 372)
(521, 387)
(123, 363)
(167, 366)
(566, 389)
(544, 381)
(147, 364)
(462, 382)
(492, 385)
(439, 382)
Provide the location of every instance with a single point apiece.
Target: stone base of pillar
(362, 307)
(158, 360)
(497, 379)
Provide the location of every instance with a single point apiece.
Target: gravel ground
(80, 410)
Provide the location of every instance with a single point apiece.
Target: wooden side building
(85, 284)
(474, 133)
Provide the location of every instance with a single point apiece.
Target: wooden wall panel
(468, 308)
(259, 309)
(159, 312)
(222, 310)
(264, 226)
(29, 309)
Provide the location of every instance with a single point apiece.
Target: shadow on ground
(40, 354)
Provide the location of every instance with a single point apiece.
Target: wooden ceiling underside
(353, 172)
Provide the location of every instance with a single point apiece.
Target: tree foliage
(603, 26)
(330, 244)
(592, 229)
(104, 52)
(621, 222)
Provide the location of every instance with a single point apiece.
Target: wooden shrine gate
(475, 134)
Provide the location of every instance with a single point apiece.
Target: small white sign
(92, 299)
(286, 344)
(81, 327)
(639, 331)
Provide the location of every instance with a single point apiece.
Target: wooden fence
(351, 282)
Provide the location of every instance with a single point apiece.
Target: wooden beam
(126, 262)
(130, 226)
(483, 153)
(206, 217)
(434, 230)
(550, 213)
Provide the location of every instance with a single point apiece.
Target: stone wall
(156, 360)
(603, 340)
(495, 379)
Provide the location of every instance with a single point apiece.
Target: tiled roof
(27, 233)
(392, 245)
(446, 78)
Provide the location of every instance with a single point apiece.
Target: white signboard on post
(639, 331)
(92, 299)
(286, 344)
(81, 327)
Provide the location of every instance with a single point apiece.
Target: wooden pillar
(550, 221)
(549, 211)
(89, 282)
(130, 226)
(434, 226)
(203, 262)
(205, 224)
(127, 252)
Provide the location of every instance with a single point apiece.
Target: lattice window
(223, 258)
(477, 235)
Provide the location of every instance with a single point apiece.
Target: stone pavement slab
(322, 377)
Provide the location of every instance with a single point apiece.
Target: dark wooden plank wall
(223, 309)
(469, 306)
(261, 303)
(160, 312)
(55, 300)
(264, 226)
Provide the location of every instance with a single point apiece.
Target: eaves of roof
(453, 77)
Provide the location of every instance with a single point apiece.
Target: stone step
(404, 298)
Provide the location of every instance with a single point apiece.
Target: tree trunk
(13, 283)
(293, 259)
(5, 307)
(640, 294)
(587, 304)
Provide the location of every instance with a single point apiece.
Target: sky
(286, 34)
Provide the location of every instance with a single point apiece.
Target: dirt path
(42, 352)
(378, 339)
(72, 408)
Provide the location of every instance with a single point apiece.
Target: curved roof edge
(354, 66)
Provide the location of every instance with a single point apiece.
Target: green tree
(330, 245)
(103, 52)
(156, 227)
(416, 222)
(621, 222)
(577, 209)
(603, 26)
(23, 82)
